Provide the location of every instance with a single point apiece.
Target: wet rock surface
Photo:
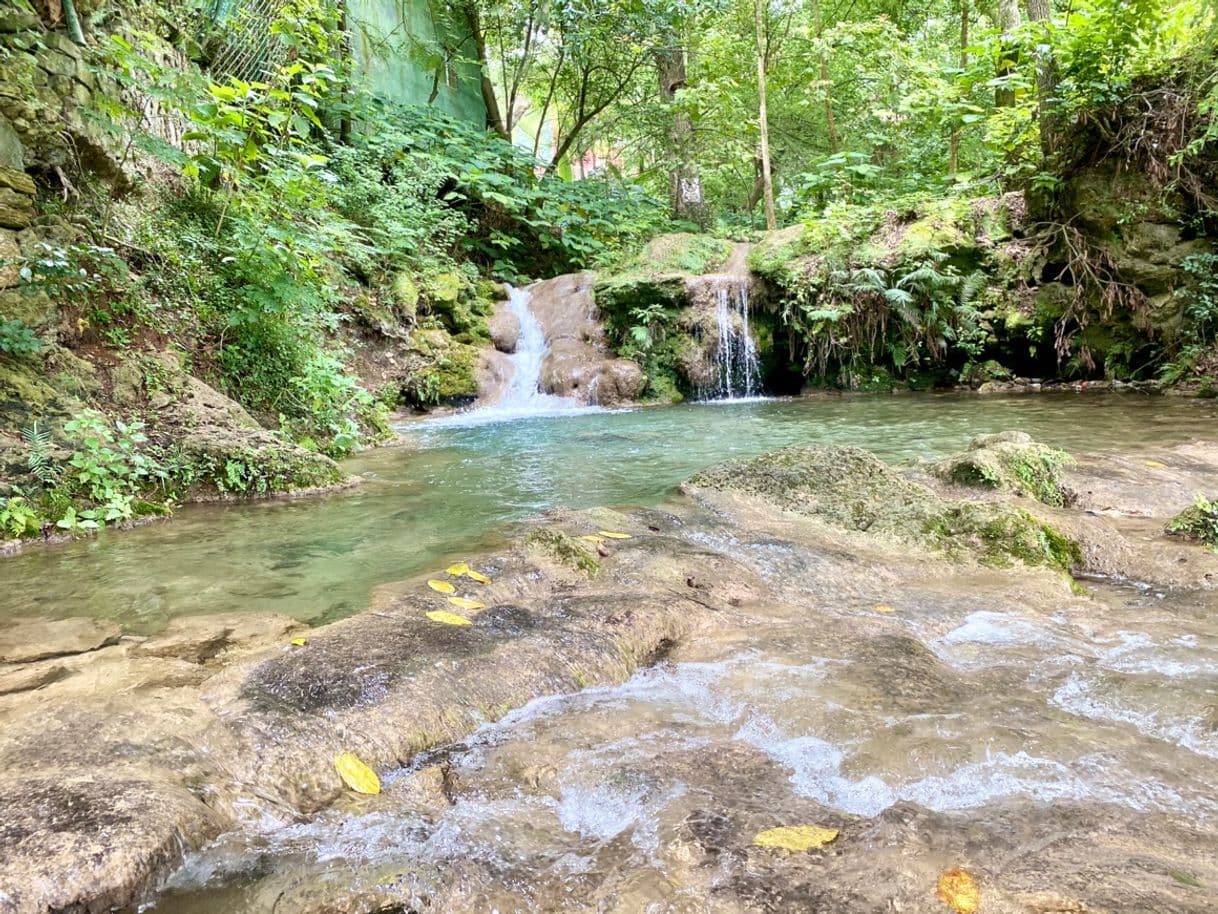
(26, 640)
(580, 363)
(775, 649)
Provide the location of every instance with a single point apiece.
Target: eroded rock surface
(800, 640)
(580, 363)
(29, 639)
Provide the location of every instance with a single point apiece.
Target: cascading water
(737, 370)
(522, 396)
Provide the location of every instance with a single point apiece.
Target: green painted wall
(399, 49)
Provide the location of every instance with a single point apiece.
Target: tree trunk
(763, 122)
(953, 149)
(685, 185)
(494, 119)
(1046, 83)
(1008, 22)
(75, 32)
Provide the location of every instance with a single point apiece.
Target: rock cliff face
(580, 363)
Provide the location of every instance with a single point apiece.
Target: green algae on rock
(564, 549)
(852, 489)
(1012, 462)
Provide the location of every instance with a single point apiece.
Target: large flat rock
(25, 640)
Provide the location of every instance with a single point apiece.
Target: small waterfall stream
(738, 369)
(522, 395)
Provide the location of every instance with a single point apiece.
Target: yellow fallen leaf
(592, 538)
(959, 891)
(457, 569)
(441, 586)
(609, 534)
(356, 775)
(299, 642)
(464, 603)
(477, 576)
(1154, 464)
(439, 615)
(884, 608)
(796, 837)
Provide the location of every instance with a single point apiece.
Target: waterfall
(524, 387)
(522, 395)
(737, 370)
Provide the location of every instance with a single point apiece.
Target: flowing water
(452, 489)
(1027, 728)
(1021, 736)
(737, 367)
(523, 396)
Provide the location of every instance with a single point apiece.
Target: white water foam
(523, 397)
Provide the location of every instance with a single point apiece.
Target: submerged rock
(765, 587)
(24, 640)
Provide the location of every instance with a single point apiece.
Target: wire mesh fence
(246, 48)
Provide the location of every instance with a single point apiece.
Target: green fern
(41, 462)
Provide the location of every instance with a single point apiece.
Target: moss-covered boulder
(853, 490)
(1011, 462)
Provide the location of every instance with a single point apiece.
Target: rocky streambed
(810, 637)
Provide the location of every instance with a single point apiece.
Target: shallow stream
(1033, 738)
(455, 486)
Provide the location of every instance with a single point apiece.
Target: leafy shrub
(1198, 522)
(16, 339)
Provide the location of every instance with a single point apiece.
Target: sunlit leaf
(609, 534)
(441, 586)
(457, 569)
(959, 891)
(356, 775)
(884, 608)
(592, 538)
(796, 837)
(465, 603)
(1155, 465)
(299, 642)
(477, 576)
(439, 615)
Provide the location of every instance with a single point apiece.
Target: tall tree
(953, 149)
(1046, 79)
(763, 120)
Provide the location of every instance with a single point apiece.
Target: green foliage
(1198, 522)
(432, 185)
(16, 339)
(872, 291)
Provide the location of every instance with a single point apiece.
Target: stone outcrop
(580, 363)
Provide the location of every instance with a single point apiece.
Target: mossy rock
(445, 288)
(406, 292)
(1010, 462)
(445, 371)
(681, 253)
(564, 549)
(852, 489)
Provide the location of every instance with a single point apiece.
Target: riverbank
(230, 725)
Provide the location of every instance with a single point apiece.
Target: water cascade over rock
(560, 360)
(730, 367)
(520, 388)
